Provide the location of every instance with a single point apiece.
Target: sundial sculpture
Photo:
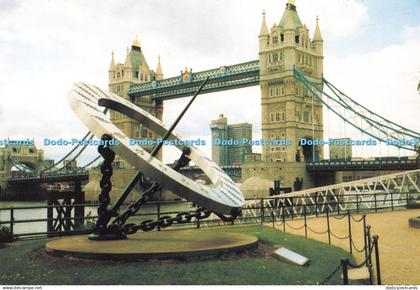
(222, 197)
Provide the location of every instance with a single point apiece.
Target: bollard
(12, 220)
(376, 208)
(345, 263)
(378, 266)
(392, 201)
(158, 213)
(364, 236)
(328, 225)
(304, 217)
(283, 220)
(357, 203)
(350, 238)
(262, 211)
(370, 254)
(272, 218)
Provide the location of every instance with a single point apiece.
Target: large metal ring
(222, 196)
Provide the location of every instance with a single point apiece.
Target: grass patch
(26, 263)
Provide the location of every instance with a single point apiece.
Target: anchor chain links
(105, 184)
(180, 218)
(119, 223)
(135, 207)
(152, 189)
(167, 221)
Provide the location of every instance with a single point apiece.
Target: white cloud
(411, 33)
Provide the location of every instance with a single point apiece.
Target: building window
(282, 37)
(275, 57)
(272, 118)
(297, 38)
(306, 117)
(277, 117)
(143, 133)
(136, 131)
(275, 39)
(277, 91)
(283, 116)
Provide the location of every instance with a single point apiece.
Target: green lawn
(26, 263)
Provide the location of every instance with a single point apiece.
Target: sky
(372, 52)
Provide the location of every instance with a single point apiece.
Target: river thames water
(21, 214)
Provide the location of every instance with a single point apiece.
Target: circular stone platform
(154, 245)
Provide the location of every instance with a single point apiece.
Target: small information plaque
(291, 256)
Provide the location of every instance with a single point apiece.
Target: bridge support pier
(68, 208)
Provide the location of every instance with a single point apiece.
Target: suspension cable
(309, 85)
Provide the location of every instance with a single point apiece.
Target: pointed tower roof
(317, 34)
(127, 62)
(159, 70)
(290, 18)
(112, 64)
(264, 29)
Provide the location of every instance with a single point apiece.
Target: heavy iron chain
(180, 218)
(167, 221)
(153, 187)
(135, 207)
(106, 186)
(332, 274)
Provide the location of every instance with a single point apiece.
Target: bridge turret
(127, 67)
(318, 45)
(112, 68)
(317, 40)
(264, 35)
(159, 71)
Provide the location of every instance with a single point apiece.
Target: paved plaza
(398, 244)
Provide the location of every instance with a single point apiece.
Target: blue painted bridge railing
(222, 78)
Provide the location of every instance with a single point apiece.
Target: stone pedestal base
(154, 245)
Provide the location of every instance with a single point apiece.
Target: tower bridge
(290, 73)
(294, 95)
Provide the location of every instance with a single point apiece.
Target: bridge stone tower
(288, 110)
(24, 153)
(133, 71)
